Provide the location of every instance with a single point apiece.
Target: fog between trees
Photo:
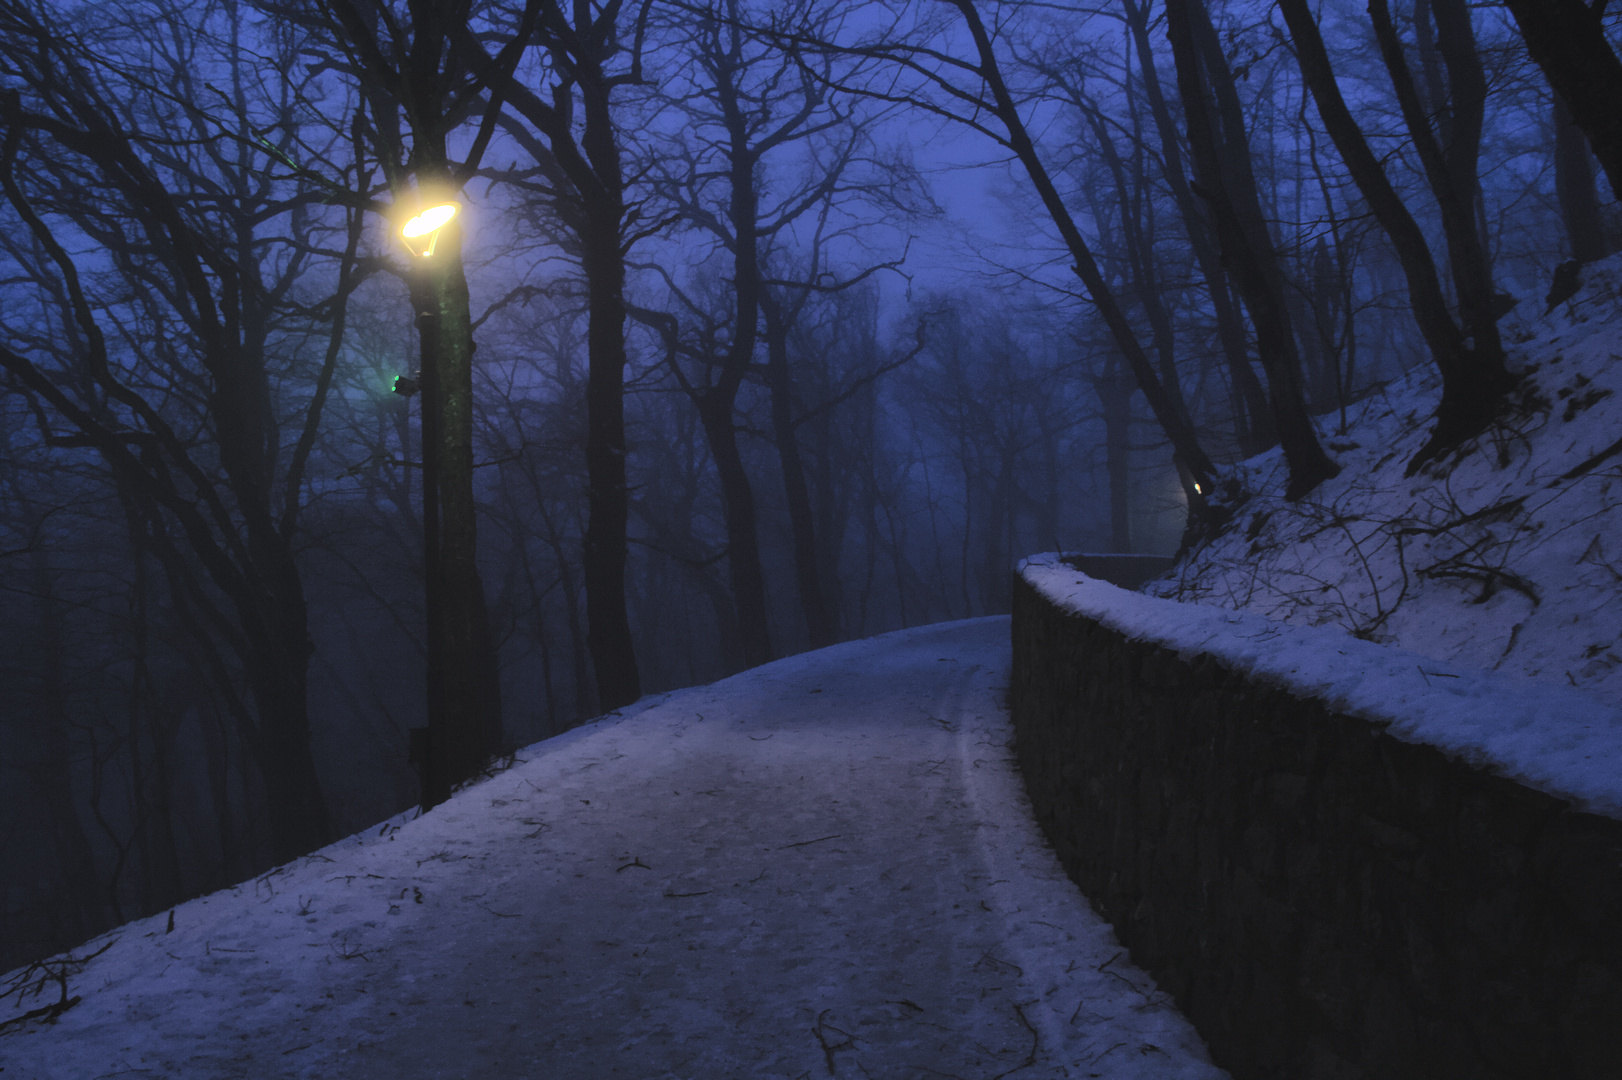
(762, 327)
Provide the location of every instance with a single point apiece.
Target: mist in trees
(762, 326)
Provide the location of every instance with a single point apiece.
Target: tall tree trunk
(269, 600)
(1255, 427)
(716, 394)
(1567, 40)
(1469, 395)
(75, 911)
(278, 666)
(1460, 133)
(717, 410)
(608, 625)
(819, 622)
(832, 503)
(1574, 188)
(996, 552)
(1221, 152)
(1140, 258)
(148, 730)
(216, 735)
(579, 668)
(1450, 170)
(1114, 391)
(296, 808)
(580, 156)
(1327, 276)
(743, 539)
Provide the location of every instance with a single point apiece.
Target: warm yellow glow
(1198, 490)
(428, 221)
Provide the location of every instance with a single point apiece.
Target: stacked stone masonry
(1322, 900)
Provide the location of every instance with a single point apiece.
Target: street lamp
(421, 233)
(429, 745)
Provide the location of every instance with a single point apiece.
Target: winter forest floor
(823, 867)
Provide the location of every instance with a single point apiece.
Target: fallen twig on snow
(55, 969)
(1030, 1059)
(827, 1047)
(818, 840)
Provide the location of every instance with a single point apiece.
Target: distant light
(424, 228)
(1198, 490)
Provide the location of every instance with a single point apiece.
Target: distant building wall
(1323, 901)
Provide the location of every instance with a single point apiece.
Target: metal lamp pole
(428, 745)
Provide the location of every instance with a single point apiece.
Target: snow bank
(1505, 557)
(1560, 740)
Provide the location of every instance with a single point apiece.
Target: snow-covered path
(823, 867)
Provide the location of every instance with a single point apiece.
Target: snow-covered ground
(1509, 559)
(826, 866)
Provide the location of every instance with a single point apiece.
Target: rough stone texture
(1321, 899)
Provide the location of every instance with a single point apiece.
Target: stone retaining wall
(1323, 901)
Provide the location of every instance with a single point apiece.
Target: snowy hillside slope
(823, 867)
(1508, 558)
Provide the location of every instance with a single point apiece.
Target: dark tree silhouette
(1567, 40)
(1449, 158)
(992, 98)
(1253, 416)
(574, 143)
(220, 500)
(1472, 385)
(1221, 153)
(1574, 188)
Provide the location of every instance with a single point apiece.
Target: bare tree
(1253, 417)
(738, 108)
(1586, 234)
(1449, 155)
(1221, 152)
(573, 142)
(1567, 39)
(1473, 377)
(179, 206)
(783, 160)
(991, 110)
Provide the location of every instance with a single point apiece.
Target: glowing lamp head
(1198, 490)
(421, 233)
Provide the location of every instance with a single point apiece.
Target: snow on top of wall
(1560, 740)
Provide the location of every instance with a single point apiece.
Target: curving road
(824, 867)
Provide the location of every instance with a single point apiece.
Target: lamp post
(429, 745)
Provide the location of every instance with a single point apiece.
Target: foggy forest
(760, 326)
